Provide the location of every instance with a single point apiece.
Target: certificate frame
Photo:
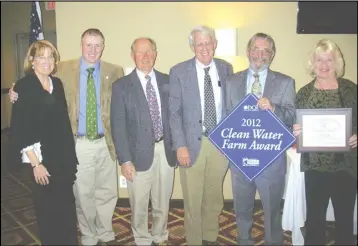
(344, 128)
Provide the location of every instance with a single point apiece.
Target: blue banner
(251, 138)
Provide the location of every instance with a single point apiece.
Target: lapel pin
(106, 76)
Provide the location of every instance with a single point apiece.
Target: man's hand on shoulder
(13, 96)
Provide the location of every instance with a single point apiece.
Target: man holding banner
(276, 93)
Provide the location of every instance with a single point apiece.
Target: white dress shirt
(143, 81)
(215, 80)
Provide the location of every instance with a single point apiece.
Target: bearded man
(276, 92)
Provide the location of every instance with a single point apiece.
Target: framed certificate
(324, 130)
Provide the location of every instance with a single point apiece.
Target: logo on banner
(251, 138)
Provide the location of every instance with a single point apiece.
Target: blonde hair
(38, 48)
(323, 46)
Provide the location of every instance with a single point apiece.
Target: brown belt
(99, 136)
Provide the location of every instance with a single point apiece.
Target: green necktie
(91, 107)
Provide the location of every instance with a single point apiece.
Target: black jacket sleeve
(24, 126)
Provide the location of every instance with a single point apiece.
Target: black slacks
(55, 210)
(341, 187)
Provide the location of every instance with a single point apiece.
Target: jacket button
(199, 138)
(200, 121)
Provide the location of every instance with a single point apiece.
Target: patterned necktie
(91, 107)
(209, 103)
(154, 109)
(256, 88)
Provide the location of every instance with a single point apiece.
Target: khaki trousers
(95, 191)
(202, 186)
(156, 184)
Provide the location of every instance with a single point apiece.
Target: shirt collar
(84, 66)
(202, 66)
(261, 73)
(141, 75)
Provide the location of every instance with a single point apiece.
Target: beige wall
(170, 23)
(15, 18)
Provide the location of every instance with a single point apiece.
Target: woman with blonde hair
(329, 174)
(41, 136)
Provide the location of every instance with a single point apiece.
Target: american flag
(36, 31)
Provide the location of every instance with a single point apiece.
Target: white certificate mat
(324, 130)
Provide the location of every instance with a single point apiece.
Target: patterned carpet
(18, 220)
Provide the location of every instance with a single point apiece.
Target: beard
(262, 67)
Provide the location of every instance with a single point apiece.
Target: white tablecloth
(294, 211)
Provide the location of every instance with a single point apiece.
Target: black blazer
(38, 116)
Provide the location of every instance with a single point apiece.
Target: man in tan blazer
(95, 188)
(96, 185)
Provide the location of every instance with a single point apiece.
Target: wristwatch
(38, 164)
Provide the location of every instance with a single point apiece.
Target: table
(294, 211)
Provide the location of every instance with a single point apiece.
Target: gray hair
(263, 36)
(153, 43)
(205, 30)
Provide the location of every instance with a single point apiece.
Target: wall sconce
(227, 42)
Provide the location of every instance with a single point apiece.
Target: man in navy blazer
(141, 136)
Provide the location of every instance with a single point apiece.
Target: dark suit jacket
(38, 116)
(131, 123)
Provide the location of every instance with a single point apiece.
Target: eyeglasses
(265, 52)
(45, 58)
(202, 45)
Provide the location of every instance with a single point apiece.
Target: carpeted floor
(18, 220)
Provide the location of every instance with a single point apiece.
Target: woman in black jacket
(41, 136)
